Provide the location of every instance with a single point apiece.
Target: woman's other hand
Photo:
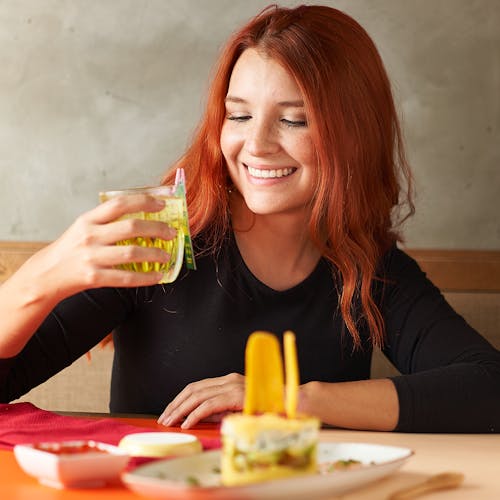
(207, 400)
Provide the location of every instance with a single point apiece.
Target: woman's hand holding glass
(86, 255)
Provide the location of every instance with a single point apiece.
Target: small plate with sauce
(72, 464)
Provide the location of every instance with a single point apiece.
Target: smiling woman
(271, 161)
(297, 185)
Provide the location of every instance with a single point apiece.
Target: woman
(297, 181)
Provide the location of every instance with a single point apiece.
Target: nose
(261, 139)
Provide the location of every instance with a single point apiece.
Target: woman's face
(265, 138)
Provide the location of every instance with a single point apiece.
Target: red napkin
(25, 423)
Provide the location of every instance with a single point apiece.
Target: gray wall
(99, 94)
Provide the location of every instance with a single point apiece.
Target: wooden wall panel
(450, 270)
(14, 253)
(461, 270)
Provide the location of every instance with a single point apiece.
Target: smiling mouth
(270, 173)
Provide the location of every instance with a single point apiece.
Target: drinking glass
(172, 214)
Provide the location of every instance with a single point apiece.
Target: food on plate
(268, 440)
(269, 446)
(339, 465)
(70, 447)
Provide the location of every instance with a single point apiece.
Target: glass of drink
(172, 214)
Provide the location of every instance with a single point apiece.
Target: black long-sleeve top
(167, 336)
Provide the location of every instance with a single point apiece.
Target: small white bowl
(160, 444)
(72, 464)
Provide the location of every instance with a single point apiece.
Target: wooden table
(475, 455)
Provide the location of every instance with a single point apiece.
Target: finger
(121, 205)
(209, 407)
(227, 396)
(187, 393)
(128, 229)
(190, 389)
(127, 254)
(185, 402)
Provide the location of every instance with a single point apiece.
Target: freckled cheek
(302, 150)
(231, 143)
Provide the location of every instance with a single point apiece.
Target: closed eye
(238, 118)
(294, 123)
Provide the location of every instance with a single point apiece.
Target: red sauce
(69, 448)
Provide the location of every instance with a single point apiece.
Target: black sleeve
(75, 326)
(450, 378)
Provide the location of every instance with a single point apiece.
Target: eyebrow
(285, 104)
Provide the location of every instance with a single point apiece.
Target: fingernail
(166, 421)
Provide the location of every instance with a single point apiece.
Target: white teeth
(265, 174)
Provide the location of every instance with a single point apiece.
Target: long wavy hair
(364, 184)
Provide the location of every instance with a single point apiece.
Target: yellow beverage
(171, 214)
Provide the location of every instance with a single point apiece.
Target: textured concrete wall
(105, 94)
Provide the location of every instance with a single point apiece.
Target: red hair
(363, 179)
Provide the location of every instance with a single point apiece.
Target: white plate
(174, 478)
